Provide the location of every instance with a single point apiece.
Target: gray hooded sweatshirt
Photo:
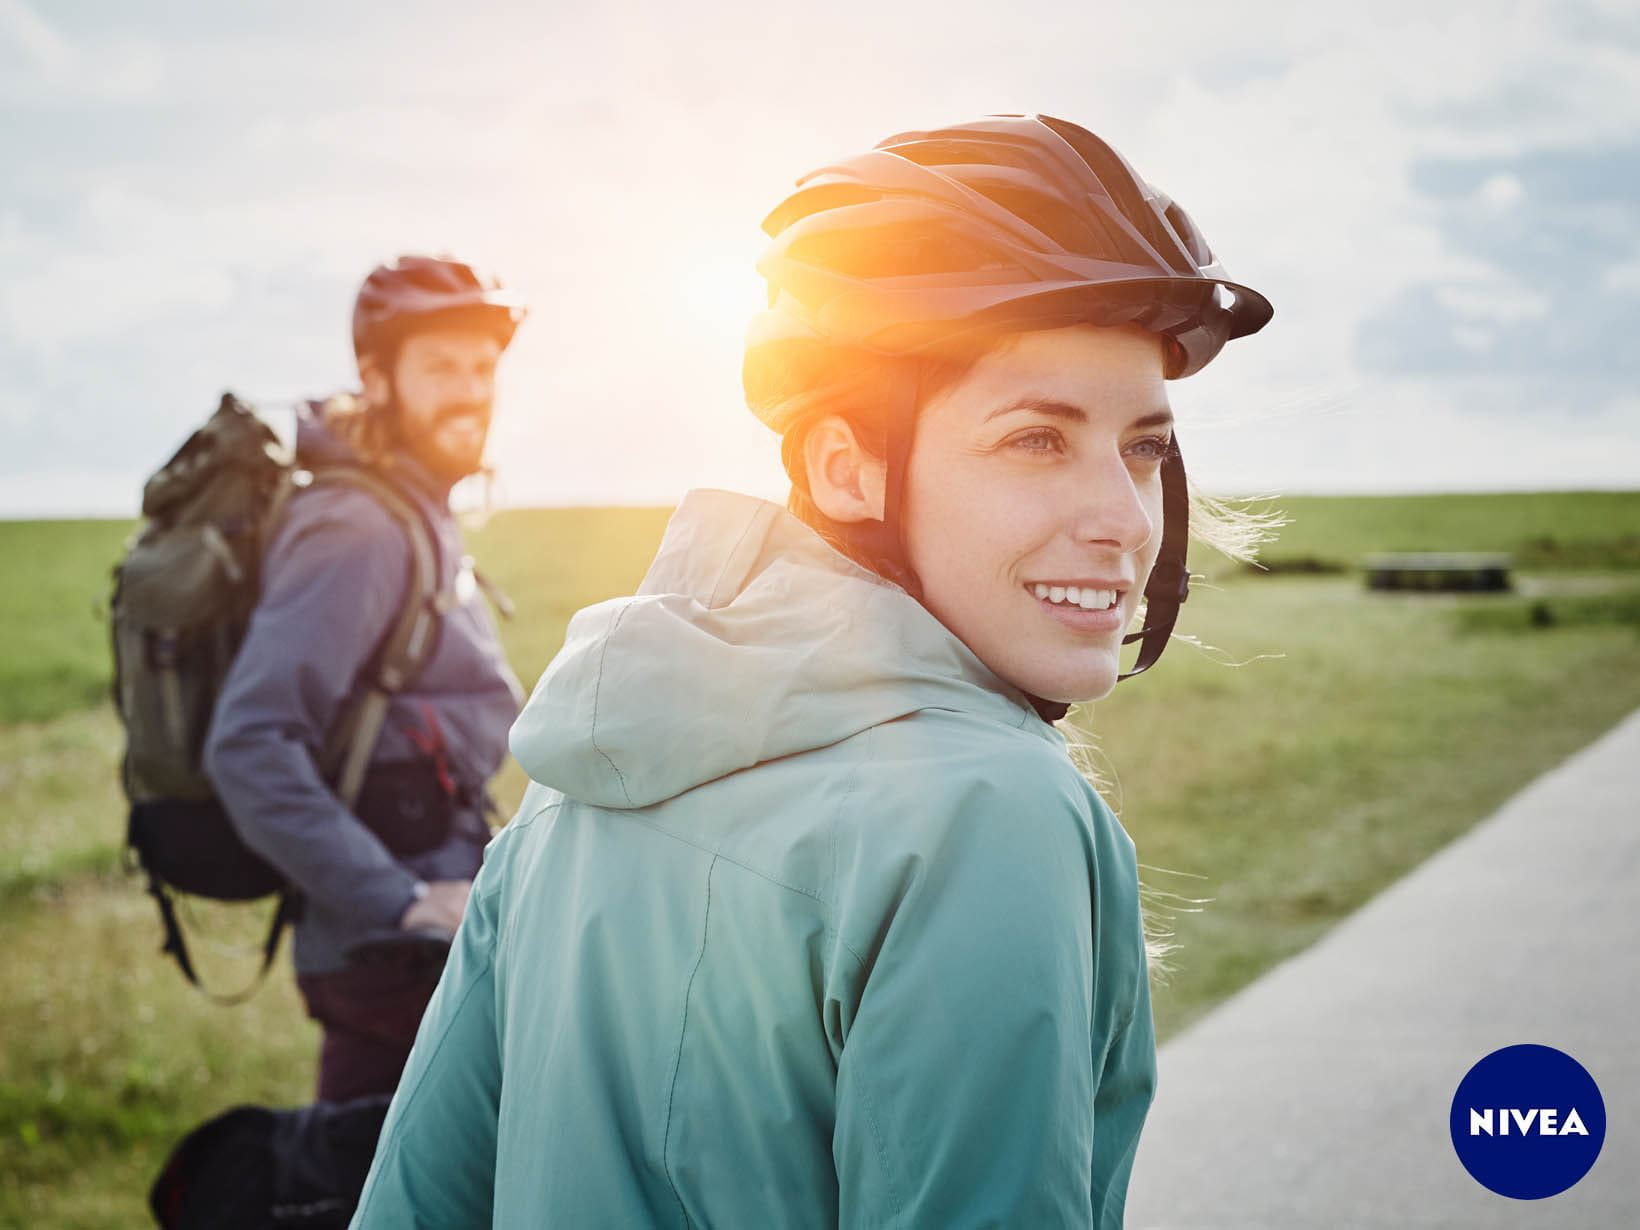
(334, 577)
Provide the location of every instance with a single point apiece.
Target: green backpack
(182, 601)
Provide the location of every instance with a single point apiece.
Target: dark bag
(254, 1168)
(409, 804)
(183, 598)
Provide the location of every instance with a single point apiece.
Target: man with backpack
(368, 618)
(428, 333)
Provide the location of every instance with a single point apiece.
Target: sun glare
(718, 297)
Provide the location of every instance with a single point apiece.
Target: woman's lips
(1096, 622)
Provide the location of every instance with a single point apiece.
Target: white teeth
(1087, 598)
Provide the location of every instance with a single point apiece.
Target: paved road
(1317, 1098)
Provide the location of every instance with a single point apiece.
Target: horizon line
(573, 505)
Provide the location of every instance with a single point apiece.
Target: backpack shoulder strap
(405, 649)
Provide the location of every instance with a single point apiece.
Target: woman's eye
(1150, 448)
(1038, 440)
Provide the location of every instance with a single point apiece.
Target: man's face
(443, 381)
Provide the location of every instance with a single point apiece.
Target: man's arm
(333, 580)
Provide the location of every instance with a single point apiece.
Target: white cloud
(27, 30)
(57, 71)
(1417, 439)
(1497, 299)
(83, 296)
(1500, 193)
(1623, 277)
(1472, 339)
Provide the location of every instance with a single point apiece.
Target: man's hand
(439, 909)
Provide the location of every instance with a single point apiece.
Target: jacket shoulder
(940, 768)
(941, 794)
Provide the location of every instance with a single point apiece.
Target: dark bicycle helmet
(1012, 222)
(418, 291)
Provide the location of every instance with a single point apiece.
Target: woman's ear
(846, 482)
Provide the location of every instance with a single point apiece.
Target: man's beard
(420, 442)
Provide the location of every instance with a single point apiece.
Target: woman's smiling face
(1033, 503)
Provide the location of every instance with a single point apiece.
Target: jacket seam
(719, 855)
(524, 822)
(831, 832)
(868, 1102)
(870, 1105)
(677, 1058)
(597, 691)
(730, 557)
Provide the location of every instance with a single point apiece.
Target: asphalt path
(1317, 1098)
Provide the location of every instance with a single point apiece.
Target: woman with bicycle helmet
(808, 918)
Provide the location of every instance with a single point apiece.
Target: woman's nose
(1111, 508)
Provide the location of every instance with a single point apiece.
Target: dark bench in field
(1462, 572)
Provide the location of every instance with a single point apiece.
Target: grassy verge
(1543, 530)
(63, 816)
(54, 584)
(110, 1056)
(1291, 789)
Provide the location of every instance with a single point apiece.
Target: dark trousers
(369, 1013)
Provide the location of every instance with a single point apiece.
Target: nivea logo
(1528, 1121)
(1540, 1119)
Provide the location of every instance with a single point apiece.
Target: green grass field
(1329, 741)
(1546, 530)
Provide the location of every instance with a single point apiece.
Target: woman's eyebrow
(1054, 408)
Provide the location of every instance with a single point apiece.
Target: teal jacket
(808, 920)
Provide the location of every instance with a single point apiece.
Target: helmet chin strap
(902, 427)
(1169, 583)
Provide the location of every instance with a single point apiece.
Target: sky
(1441, 200)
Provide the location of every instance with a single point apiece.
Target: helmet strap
(1169, 583)
(900, 434)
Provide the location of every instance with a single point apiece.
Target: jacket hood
(750, 638)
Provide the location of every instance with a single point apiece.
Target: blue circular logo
(1528, 1121)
